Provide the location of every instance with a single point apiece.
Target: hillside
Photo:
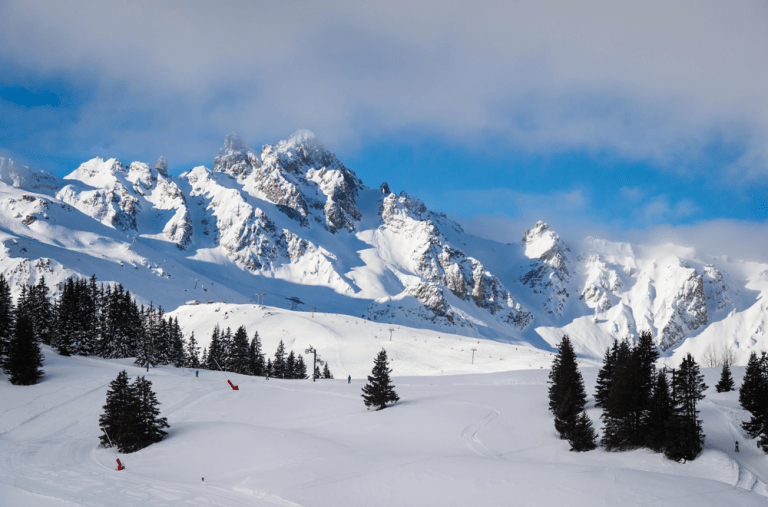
(452, 440)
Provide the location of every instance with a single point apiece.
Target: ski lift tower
(390, 333)
(312, 309)
(295, 302)
(313, 351)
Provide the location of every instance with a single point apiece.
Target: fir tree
(42, 312)
(300, 371)
(604, 375)
(191, 358)
(278, 365)
(317, 373)
(583, 436)
(725, 384)
(290, 365)
(227, 350)
(115, 420)
(24, 362)
(379, 390)
(149, 426)
(270, 370)
(256, 357)
(326, 372)
(619, 410)
(753, 394)
(204, 358)
(659, 414)
(239, 362)
(177, 355)
(762, 439)
(6, 318)
(685, 437)
(214, 357)
(645, 356)
(567, 397)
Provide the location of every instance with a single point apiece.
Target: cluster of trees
(753, 397)
(643, 408)
(567, 399)
(131, 420)
(20, 354)
(232, 352)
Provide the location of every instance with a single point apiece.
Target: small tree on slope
(685, 437)
(567, 396)
(583, 436)
(114, 420)
(379, 391)
(753, 394)
(725, 384)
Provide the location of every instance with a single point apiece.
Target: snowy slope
(451, 441)
(290, 220)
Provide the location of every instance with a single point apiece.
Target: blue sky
(611, 118)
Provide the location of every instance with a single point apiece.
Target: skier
(737, 446)
(267, 376)
(349, 379)
(196, 372)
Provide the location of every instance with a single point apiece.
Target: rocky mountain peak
(236, 158)
(549, 273)
(161, 166)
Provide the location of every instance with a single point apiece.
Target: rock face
(438, 266)
(548, 271)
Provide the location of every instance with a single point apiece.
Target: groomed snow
(484, 439)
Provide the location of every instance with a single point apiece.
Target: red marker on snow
(234, 387)
(119, 465)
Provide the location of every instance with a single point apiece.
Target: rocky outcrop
(549, 272)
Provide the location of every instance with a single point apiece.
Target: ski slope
(484, 439)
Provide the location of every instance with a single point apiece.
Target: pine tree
(227, 350)
(270, 370)
(149, 426)
(215, 352)
(567, 397)
(619, 429)
(278, 365)
(177, 355)
(645, 356)
(115, 419)
(240, 363)
(290, 365)
(685, 437)
(300, 372)
(191, 358)
(317, 373)
(256, 357)
(583, 436)
(604, 375)
(659, 414)
(753, 394)
(204, 358)
(25, 360)
(379, 390)
(326, 372)
(762, 440)
(6, 318)
(725, 384)
(42, 312)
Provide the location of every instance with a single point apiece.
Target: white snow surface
(451, 440)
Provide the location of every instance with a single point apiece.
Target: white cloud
(644, 80)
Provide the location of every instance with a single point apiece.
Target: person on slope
(349, 379)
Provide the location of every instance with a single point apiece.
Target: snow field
(458, 440)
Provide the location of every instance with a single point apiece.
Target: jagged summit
(236, 158)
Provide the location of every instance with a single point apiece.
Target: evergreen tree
(270, 370)
(326, 372)
(66, 314)
(645, 356)
(146, 355)
(115, 420)
(42, 312)
(177, 355)
(278, 365)
(191, 358)
(227, 350)
(659, 414)
(300, 372)
(161, 338)
(604, 375)
(685, 437)
(567, 397)
(290, 365)
(204, 358)
(317, 372)
(762, 440)
(619, 422)
(583, 436)
(215, 352)
(25, 360)
(725, 384)
(149, 426)
(239, 362)
(379, 390)
(6, 318)
(256, 357)
(753, 394)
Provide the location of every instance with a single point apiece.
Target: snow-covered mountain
(293, 221)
